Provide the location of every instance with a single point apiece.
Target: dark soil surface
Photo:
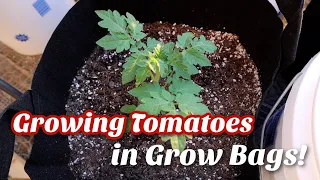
(231, 86)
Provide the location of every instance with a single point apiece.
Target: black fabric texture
(308, 41)
(289, 39)
(49, 157)
(293, 12)
(7, 137)
(290, 8)
(255, 21)
(266, 105)
(307, 47)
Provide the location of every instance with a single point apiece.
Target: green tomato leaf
(184, 86)
(131, 62)
(193, 56)
(165, 138)
(135, 27)
(134, 49)
(163, 100)
(114, 23)
(173, 54)
(144, 90)
(142, 73)
(103, 14)
(141, 45)
(189, 103)
(177, 141)
(167, 95)
(169, 80)
(139, 35)
(128, 108)
(156, 95)
(120, 20)
(192, 69)
(139, 59)
(160, 101)
(168, 48)
(173, 112)
(163, 68)
(169, 107)
(151, 44)
(149, 106)
(130, 18)
(203, 45)
(120, 42)
(159, 52)
(130, 68)
(184, 40)
(181, 69)
(128, 75)
(149, 110)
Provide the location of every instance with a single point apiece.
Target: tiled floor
(18, 71)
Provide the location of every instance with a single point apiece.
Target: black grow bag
(255, 21)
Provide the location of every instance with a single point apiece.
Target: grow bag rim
(50, 87)
(46, 82)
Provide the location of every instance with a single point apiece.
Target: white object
(27, 25)
(275, 5)
(299, 125)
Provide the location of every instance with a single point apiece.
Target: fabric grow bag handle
(293, 12)
(41, 161)
(290, 7)
(4, 86)
(7, 137)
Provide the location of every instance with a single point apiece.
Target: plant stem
(175, 58)
(158, 75)
(152, 76)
